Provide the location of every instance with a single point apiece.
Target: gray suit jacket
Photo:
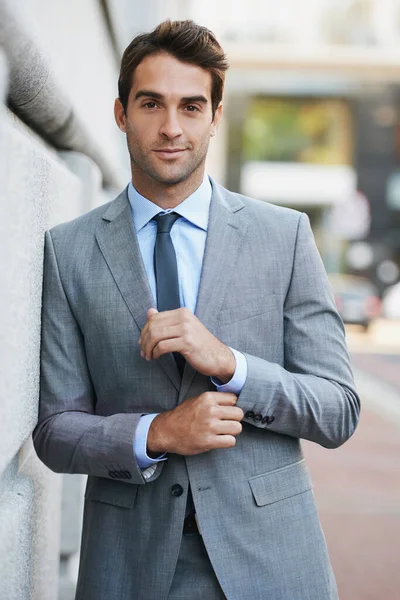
(263, 291)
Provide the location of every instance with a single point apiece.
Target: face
(168, 121)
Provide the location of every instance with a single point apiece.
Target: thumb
(151, 312)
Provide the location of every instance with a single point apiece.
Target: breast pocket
(247, 309)
(254, 327)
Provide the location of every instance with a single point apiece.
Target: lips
(170, 153)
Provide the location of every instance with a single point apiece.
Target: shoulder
(84, 227)
(258, 211)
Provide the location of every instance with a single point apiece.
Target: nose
(170, 127)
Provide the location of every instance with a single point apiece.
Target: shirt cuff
(140, 442)
(234, 385)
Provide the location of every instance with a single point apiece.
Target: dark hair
(186, 41)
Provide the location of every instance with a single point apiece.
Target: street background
(357, 486)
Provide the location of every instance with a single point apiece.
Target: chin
(171, 178)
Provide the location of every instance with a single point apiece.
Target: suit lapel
(119, 245)
(226, 230)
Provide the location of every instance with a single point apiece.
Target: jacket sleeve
(313, 395)
(69, 437)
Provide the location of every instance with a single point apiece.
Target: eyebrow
(158, 96)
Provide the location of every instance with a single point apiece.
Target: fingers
(225, 398)
(156, 319)
(163, 326)
(200, 424)
(158, 341)
(223, 404)
(165, 346)
(228, 428)
(167, 317)
(224, 441)
(230, 413)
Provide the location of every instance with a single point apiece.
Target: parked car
(391, 302)
(356, 298)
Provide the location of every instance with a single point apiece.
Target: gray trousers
(194, 577)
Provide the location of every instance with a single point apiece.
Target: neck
(163, 194)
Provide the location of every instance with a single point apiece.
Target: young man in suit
(189, 340)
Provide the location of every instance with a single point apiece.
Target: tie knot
(165, 221)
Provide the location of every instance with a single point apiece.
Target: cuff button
(268, 420)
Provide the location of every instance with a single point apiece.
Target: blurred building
(314, 118)
(312, 121)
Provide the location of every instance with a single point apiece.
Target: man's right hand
(202, 423)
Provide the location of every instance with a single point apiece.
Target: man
(189, 341)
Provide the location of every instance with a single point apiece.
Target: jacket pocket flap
(251, 308)
(118, 493)
(280, 484)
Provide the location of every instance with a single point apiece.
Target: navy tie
(166, 270)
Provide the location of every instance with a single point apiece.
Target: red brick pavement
(357, 488)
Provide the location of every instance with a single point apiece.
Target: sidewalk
(357, 488)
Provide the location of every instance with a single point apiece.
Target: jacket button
(249, 414)
(177, 490)
(257, 418)
(268, 420)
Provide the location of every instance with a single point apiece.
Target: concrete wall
(60, 155)
(39, 189)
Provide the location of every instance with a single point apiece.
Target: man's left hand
(181, 331)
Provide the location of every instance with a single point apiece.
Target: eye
(150, 105)
(191, 108)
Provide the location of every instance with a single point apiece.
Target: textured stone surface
(89, 175)
(29, 493)
(38, 92)
(30, 500)
(44, 510)
(3, 76)
(16, 531)
(39, 189)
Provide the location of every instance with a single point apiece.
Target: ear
(119, 114)
(216, 120)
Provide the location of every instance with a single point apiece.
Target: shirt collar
(195, 208)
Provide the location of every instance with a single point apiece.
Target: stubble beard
(142, 160)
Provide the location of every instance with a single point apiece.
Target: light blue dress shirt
(188, 235)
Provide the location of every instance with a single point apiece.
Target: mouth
(170, 153)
